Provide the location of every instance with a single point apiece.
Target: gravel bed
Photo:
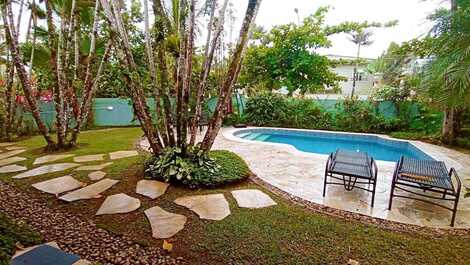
(75, 235)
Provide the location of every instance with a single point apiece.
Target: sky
(411, 16)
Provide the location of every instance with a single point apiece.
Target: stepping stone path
(122, 154)
(11, 148)
(164, 224)
(6, 144)
(93, 167)
(46, 169)
(11, 153)
(89, 192)
(118, 203)
(252, 199)
(59, 185)
(151, 188)
(11, 160)
(88, 158)
(12, 168)
(211, 207)
(50, 158)
(96, 175)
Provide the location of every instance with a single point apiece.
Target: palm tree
(360, 37)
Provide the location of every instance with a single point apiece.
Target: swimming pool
(325, 143)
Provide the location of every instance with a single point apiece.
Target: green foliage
(196, 168)
(266, 109)
(420, 118)
(12, 233)
(390, 93)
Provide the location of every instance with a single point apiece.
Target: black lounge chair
(347, 167)
(426, 175)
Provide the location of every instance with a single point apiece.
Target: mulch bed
(76, 234)
(364, 219)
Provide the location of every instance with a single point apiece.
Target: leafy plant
(266, 109)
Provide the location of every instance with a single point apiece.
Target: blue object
(326, 143)
(45, 255)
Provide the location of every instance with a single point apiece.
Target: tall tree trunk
(226, 89)
(208, 59)
(12, 40)
(33, 46)
(180, 71)
(355, 73)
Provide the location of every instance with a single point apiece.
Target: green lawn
(283, 234)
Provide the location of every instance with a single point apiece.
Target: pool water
(326, 143)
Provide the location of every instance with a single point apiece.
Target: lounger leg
(391, 195)
(373, 194)
(454, 211)
(324, 184)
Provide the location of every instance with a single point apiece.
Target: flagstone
(164, 224)
(96, 175)
(151, 188)
(88, 158)
(122, 154)
(11, 153)
(118, 203)
(12, 168)
(46, 169)
(59, 185)
(93, 167)
(252, 198)
(212, 206)
(6, 144)
(90, 191)
(11, 148)
(11, 160)
(50, 158)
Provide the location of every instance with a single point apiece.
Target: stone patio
(118, 203)
(164, 224)
(301, 174)
(211, 207)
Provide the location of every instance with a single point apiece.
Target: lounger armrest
(373, 168)
(453, 173)
(329, 162)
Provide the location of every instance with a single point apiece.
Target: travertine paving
(46, 169)
(118, 203)
(12, 169)
(89, 192)
(96, 175)
(211, 207)
(11, 160)
(93, 167)
(50, 158)
(59, 185)
(164, 224)
(252, 199)
(122, 154)
(88, 158)
(151, 188)
(11, 153)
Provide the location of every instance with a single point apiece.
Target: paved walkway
(301, 174)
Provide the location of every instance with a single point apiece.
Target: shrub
(12, 233)
(305, 113)
(266, 109)
(196, 168)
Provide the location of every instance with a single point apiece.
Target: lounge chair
(347, 167)
(426, 175)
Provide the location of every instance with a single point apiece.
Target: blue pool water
(326, 143)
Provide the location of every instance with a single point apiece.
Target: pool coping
(426, 148)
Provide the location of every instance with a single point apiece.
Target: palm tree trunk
(355, 74)
(208, 59)
(12, 39)
(226, 89)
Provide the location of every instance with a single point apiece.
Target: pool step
(252, 136)
(243, 135)
(263, 137)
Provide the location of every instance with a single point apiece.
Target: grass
(12, 234)
(284, 234)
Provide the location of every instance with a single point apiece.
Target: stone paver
(6, 144)
(46, 169)
(12, 168)
(118, 203)
(96, 175)
(211, 207)
(11, 148)
(50, 158)
(88, 158)
(164, 224)
(89, 192)
(11, 160)
(151, 188)
(252, 199)
(93, 167)
(58, 185)
(122, 154)
(11, 153)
